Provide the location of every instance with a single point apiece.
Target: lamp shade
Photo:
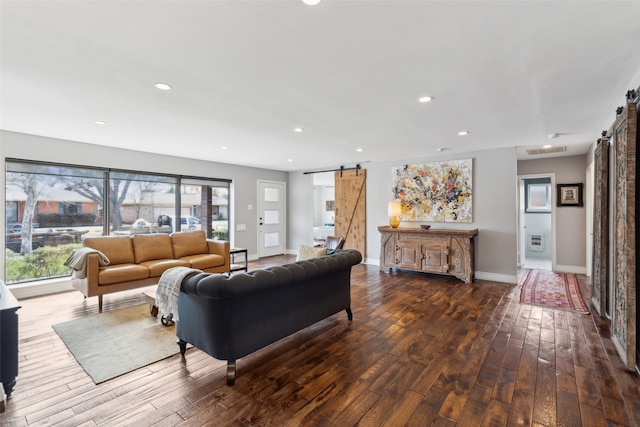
(394, 208)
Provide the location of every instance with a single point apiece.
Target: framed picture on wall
(570, 194)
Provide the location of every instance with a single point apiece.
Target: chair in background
(333, 243)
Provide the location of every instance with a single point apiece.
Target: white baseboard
(496, 277)
(570, 269)
(40, 288)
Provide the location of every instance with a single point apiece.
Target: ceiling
(244, 74)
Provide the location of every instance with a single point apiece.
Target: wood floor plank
(496, 414)
(544, 408)
(427, 409)
(472, 414)
(587, 388)
(422, 350)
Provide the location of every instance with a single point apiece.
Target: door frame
(588, 204)
(260, 207)
(521, 233)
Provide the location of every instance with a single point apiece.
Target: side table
(238, 267)
(9, 306)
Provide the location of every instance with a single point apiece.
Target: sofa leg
(183, 346)
(231, 372)
(99, 303)
(349, 313)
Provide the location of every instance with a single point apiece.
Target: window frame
(538, 182)
(104, 175)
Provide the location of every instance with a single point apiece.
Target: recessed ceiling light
(100, 122)
(163, 86)
(553, 135)
(547, 146)
(289, 160)
(440, 149)
(298, 130)
(311, 2)
(359, 150)
(424, 99)
(463, 132)
(224, 147)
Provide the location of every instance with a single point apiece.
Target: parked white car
(187, 223)
(141, 223)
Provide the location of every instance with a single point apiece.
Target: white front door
(271, 218)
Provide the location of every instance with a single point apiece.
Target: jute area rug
(553, 290)
(110, 344)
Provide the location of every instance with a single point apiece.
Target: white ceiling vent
(535, 151)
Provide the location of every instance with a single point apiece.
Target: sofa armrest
(89, 285)
(221, 247)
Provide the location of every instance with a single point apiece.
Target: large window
(50, 208)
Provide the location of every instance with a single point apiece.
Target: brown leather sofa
(140, 260)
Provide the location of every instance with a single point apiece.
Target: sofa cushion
(147, 247)
(204, 261)
(121, 273)
(307, 252)
(117, 248)
(189, 243)
(159, 266)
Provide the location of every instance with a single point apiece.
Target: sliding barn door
(623, 323)
(350, 213)
(600, 269)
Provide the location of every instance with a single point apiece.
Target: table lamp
(394, 211)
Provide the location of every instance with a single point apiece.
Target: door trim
(520, 199)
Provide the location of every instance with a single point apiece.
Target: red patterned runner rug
(553, 290)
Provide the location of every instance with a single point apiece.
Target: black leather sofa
(231, 317)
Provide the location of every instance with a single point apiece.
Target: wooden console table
(441, 251)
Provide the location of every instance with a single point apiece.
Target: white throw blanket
(78, 261)
(169, 289)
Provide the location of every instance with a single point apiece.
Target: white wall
(570, 220)
(494, 209)
(494, 180)
(244, 187)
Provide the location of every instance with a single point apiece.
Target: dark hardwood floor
(422, 350)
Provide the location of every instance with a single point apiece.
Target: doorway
(323, 207)
(536, 222)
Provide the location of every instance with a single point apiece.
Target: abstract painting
(437, 191)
